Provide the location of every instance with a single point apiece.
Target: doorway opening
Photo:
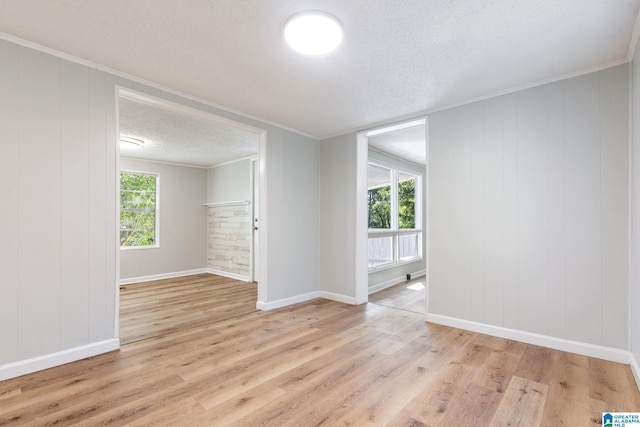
(391, 223)
(205, 254)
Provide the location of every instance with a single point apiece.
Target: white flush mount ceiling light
(313, 32)
(131, 142)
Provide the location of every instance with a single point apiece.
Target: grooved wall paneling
(97, 205)
(74, 203)
(39, 189)
(9, 212)
(634, 270)
(529, 210)
(58, 215)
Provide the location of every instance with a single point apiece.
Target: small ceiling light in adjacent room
(313, 32)
(130, 142)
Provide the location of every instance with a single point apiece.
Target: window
(138, 210)
(395, 233)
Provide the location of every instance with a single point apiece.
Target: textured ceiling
(180, 137)
(398, 58)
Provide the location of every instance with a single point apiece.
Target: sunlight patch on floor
(416, 286)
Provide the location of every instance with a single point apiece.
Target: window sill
(395, 264)
(132, 248)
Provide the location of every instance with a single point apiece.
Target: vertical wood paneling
(441, 263)
(74, 202)
(55, 224)
(555, 209)
(229, 239)
(39, 204)
(477, 213)
(634, 201)
(9, 211)
(112, 217)
(532, 215)
(614, 153)
(510, 207)
(541, 244)
(462, 225)
(97, 207)
(583, 219)
(493, 212)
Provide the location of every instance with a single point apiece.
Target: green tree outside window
(138, 203)
(407, 204)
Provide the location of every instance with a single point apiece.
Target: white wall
(337, 215)
(59, 215)
(292, 204)
(230, 182)
(634, 270)
(183, 222)
(388, 276)
(529, 209)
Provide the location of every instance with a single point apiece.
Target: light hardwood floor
(404, 296)
(323, 363)
(160, 307)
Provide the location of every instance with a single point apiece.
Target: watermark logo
(607, 420)
(620, 419)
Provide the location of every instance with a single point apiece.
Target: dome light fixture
(130, 142)
(313, 32)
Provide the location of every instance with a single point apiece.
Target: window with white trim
(395, 226)
(138, 210)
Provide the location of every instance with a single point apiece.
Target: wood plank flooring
(404, 296)
(161, 307)
(323, 363)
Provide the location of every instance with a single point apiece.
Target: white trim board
(396, 280)
(232, 203)
(338, 297)
(163, 276)
(585, 349)
(635, 369)
(28, 366)
(227, 274)
(267, 306)
(242, 159)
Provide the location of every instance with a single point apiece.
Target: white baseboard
(23, 367)
(162, 276)
(585, 349)
(227, 274)
(338, 297)
(266, 306)
(392, 282)
(635, 368)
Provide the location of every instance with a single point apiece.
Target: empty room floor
(323, 363)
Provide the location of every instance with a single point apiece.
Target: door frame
(361, 219)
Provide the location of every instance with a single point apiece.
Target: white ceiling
(180, 136)
(398, 58)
